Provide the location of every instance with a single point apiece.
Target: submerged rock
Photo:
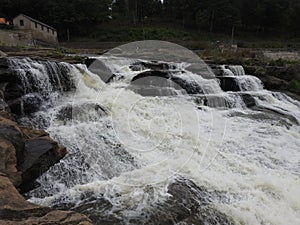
(80, 112)
(99, 68)
(164, 83)
(188, 204)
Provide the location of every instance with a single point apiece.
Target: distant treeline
(275, 17)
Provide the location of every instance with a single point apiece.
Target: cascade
(234, 152)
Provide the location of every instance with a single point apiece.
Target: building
(40, 32)
(26, 31)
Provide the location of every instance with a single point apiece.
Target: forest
(258, 17)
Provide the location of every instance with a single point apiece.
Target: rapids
(123, 157)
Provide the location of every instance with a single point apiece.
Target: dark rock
(26, 152)
(8, 161)
(4, 109)
(278, 113)
(31, 103)
(294, 72)
(274, 83)
(25, 105)
(164, 79)
(3, 105)
(7, 75)
(99, 68)
(152, 65)
(190, 86)
(3, 62)
(11, 90)
(154, 83)
(188, 204)
(10, 131)
(248, 99)
(77, 112)
(229, 84)
(15, 210)
(217, 70)
(40, 154)
(163, 74)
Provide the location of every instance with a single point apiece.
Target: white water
(249, 83)
(237, 70)
(148, 141)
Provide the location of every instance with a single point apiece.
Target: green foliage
(294, 86)
(81, 17)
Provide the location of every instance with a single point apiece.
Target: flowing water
(126, 149)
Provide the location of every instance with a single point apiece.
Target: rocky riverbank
(25, 154)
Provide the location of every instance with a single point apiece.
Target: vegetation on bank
(127, 20)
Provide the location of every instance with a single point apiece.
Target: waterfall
(249, 83)
(126, 150)
(44, 77)
(237, 70)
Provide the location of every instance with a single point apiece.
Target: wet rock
(40, 154)
(6, 74)
(99, 68)
(10, 131)
(249, 100)
(25, 105)
(15, 210)
(8, 161)
(26, 152)
(80, 112)
(3, 62)
(11, 90)
(164, 79)
(188, 204)
(152, 65)
(229, 84)
(4, 109)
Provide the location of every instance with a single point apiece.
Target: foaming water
(126, 149)
(249, 83)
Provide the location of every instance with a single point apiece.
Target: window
(35, 24)
(21, 23)
(53, 32)
(48, 29)
(42, 27)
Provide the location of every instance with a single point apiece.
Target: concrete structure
(28, 31)
(40, 32)
(16, 38)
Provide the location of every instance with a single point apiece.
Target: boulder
(6, 74)
(99, 68)
(164, 79)
(78, 112)
(294, 72)
(11, 90)
(15, 210)
(26, 153)
(2, 53)
(8, 161)
(274, 83)
(229, 84)
(152, 65)
(189, 204)
(40, 154)
(3, 62)
(10, 131)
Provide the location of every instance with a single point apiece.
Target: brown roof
(34, 20)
